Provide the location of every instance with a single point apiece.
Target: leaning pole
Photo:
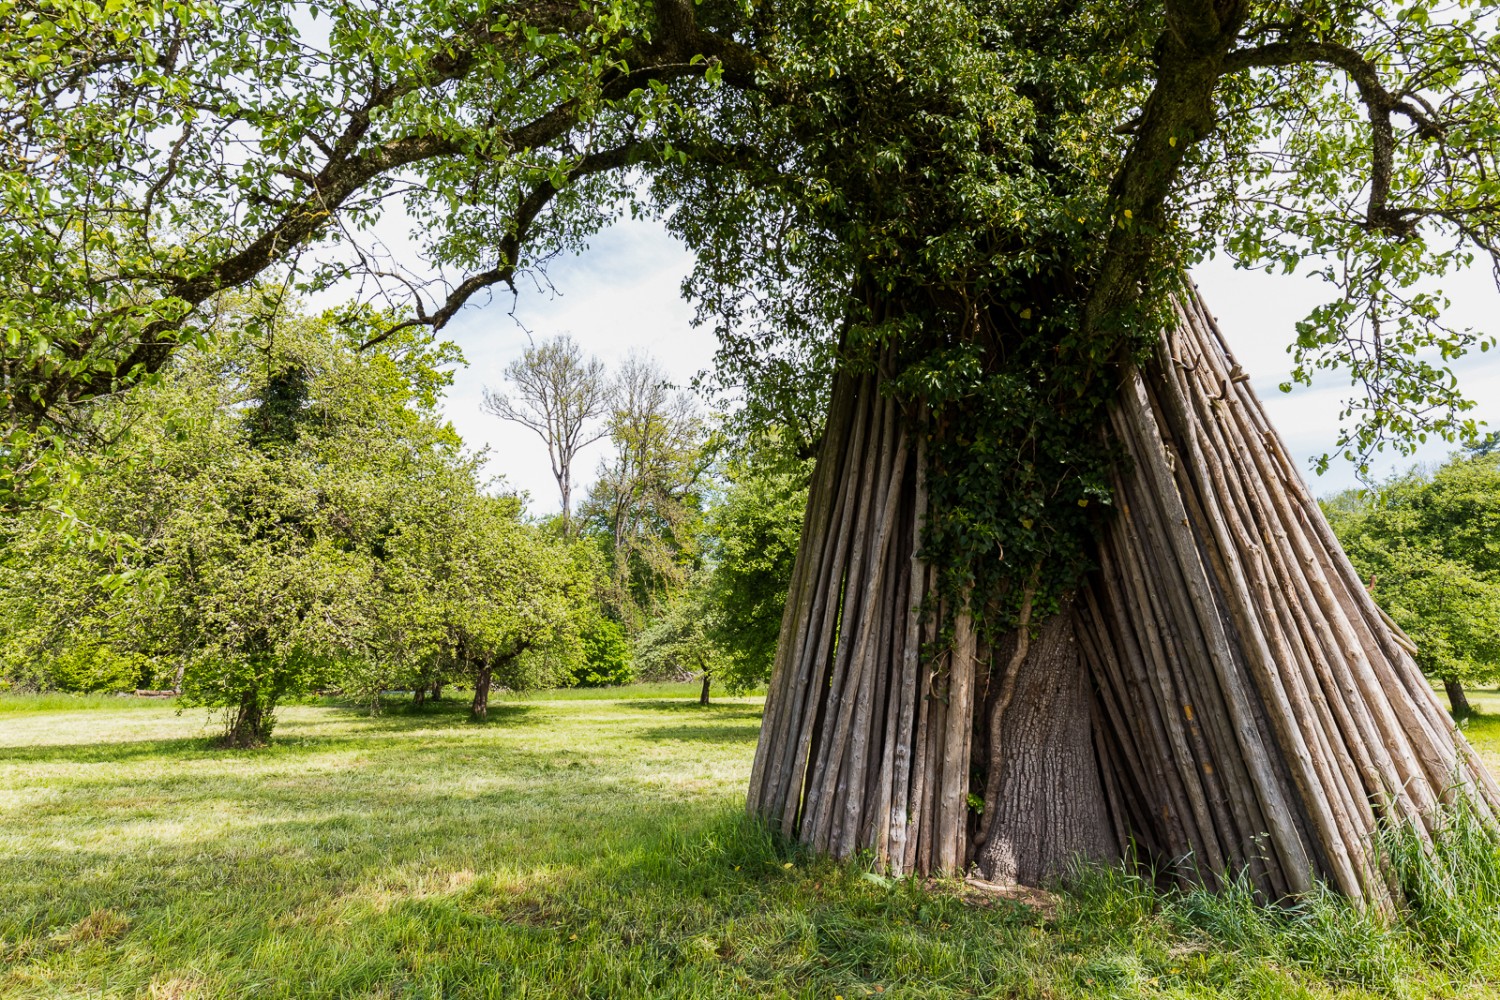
(1220, 696)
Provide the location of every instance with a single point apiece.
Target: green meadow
(570, 847)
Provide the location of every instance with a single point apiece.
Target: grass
(571, 847)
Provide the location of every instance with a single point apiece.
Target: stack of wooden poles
(865, 744)
(1259, 712)
(1255, 712)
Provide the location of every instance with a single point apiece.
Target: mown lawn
(571, 847)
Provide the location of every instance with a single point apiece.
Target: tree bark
(1458, 702)
(480, 709)
(1049, 808)
(437, 690)
(703, 694)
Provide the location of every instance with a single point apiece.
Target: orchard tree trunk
(437, 691)
(480, 709)
(1243, 704)
(250, 722)
(703, 694)
(1458, 702)
(419, 696)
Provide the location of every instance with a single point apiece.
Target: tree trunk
(419, 696)
(703, 694)
(1458, 702)
(1049, 808)
(250, 722)
(437, 690)
(1247, 707)
(480, 710)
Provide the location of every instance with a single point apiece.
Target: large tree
(983, 211)
(241, 524)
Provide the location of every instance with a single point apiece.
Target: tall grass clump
(1445, 934)
(1452, 888)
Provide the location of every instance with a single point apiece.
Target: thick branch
(509, 254)
(1379, 106)
(667, 54)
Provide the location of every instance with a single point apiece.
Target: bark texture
(483, 677)
(1049, 805)
(1248, 706)
(250, 722)
(1458, 701)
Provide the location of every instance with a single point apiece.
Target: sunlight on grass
(569, 847)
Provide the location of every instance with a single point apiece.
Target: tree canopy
(281, 511)
(995, 195)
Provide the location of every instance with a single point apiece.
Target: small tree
(677, 643)
(501, 597)
(559, 394)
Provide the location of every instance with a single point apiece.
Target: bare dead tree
(560, 394)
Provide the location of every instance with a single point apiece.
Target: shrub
(606, 654)
(89, 668)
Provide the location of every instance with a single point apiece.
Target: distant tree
(500, 597)
(677, 643)
(1429, 548)
(559, 394)
(647, 503)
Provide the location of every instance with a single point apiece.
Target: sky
(623, 294)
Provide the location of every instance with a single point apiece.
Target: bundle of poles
(1221, 698)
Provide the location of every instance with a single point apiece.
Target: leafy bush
(606, 654)
(95, 667)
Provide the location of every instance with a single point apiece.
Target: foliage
(753, 531)
(496, 593)
(1429, 547)
(95, 666)
(987, 201)
(676, 643)
(605, 660)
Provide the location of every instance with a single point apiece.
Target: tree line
(281, 512)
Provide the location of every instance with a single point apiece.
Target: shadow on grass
(291, 741)
(719, 710)
(708, 734)
(404, 716)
